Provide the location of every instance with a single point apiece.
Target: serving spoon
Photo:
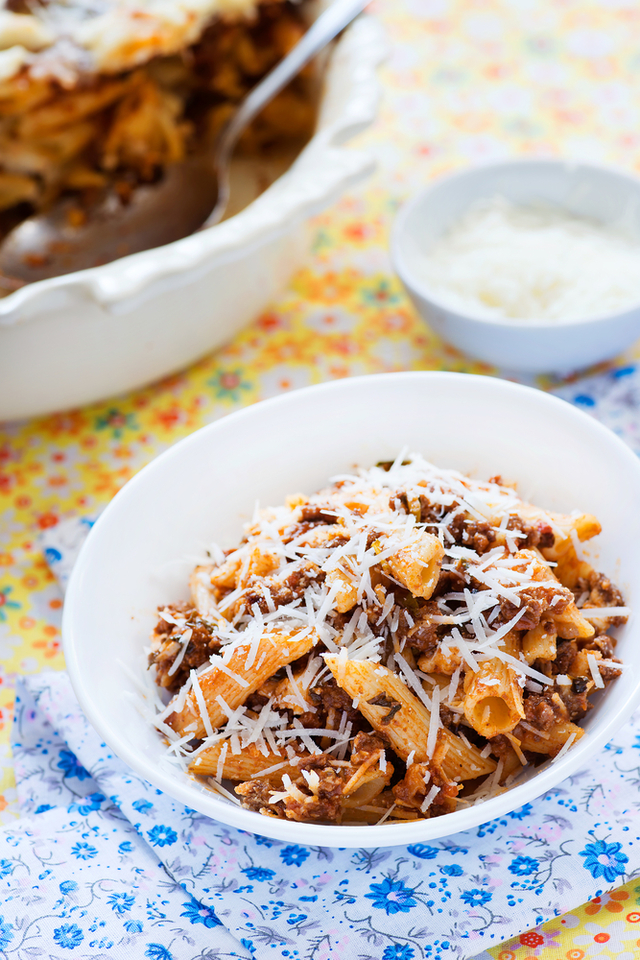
(191, 194)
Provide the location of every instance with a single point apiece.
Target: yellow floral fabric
(466, 81)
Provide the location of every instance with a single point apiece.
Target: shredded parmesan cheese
(500, 260)
(430, 797)
(566, 746)
(593, 667)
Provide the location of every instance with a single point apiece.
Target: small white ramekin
(75, 339)
(534, 346)
(140, 552)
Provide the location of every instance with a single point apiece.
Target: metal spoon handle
(326, 27)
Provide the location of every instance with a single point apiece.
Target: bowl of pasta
(97, 103)
(376, 611)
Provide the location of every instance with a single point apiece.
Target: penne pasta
(347, 664)
(548, 741)
(417, 565)
(493, 699)
(222, 693)
(249, 763)
(570, 624)
(404, 719)
(539, 643)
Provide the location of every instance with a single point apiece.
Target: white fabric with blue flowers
(105, 866)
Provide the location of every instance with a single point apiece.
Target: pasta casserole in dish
(404, 642)
(102, 95)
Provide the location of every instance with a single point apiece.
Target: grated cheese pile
(518, 263)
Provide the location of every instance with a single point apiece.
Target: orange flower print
(269, 321)
(612, 902)
(531, 939)
(46, 520)
(575, 954)
(49, 647)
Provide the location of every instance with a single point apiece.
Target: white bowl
(533, 346)
(205, 487)
(75, 339)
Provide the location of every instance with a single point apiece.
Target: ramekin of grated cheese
(529, 264)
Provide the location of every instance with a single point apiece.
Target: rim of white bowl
(414, 282)
(196, 796)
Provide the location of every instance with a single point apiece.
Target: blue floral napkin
(105, 866)
(613, 398)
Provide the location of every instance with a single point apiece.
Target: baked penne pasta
(102, 97)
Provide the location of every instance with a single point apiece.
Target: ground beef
(501, 747)
(181, 609)
(204, 641)
(602, 593)
(539, 534)
(536, 601)
(610, 673)
(566, 651)
(365, 745)
(576, 703)
(450, 581)
(423, 636)
(283, 590)
(256, 702)
(315, 513)
(256, 795)
(449, 719)
(412, 789)
(323, 806)
(328, 695)
(431, 512)
(544, 710)
(603, 643)
(477, 536)
(326, 805)
(308, 719)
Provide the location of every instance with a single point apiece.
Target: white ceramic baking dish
(75, 339)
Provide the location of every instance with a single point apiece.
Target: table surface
(466, 81)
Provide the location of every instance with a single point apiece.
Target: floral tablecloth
(466, 81)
